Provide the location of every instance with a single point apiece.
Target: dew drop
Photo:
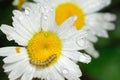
(51, 9)
(46, 9)
(21, 17)
(15, 12)
(85, 58)
(45, 17)
(81, 43)
(27, 11)
(47, 77)
(81, 58)
(65, 71)
(14, 24)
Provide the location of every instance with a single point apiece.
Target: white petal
(24, 20)
(70, 66)
(46, 14)
(7, 31)
(91, 37)
(85, 58)
(7, 51)
(30, 5)
(96, 28)
(18, 71)
(66, 26)
(91, 6)
(91, 51)
(75, 42)
(17, 25)
(53, 2)
(34, 11)
(68, 34)
(71, 45)
(102, 20)
(108, 26)
(109, 17)
(13, 35)
(52, 26)
(66, 73)
(69, 77)
(73, 34)
(14, 58)
(28, 15)
(77, 56)
(54, 75)
(45, 73)
(28, 75)
(11, 66)
(42, 73)
(79, 34)
(39, 73)
(48, 17)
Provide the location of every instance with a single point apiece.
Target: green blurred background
(106, 67)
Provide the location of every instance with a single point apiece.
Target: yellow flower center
(44, 48)
(66, 10)
(20, 3)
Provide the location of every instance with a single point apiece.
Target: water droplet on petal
(27, 11)
(46, 9)
(48, 78)
(51, 9)
(81, 43)
(45, 17)
(65, 71)
(85, 58)
(15, 12)
(21, 17)
(14, 24)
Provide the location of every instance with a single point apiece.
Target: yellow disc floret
(20, 3)
(66, 10)
(44, 48)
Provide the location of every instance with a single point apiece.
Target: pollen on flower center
(44, 48)
(66, 10)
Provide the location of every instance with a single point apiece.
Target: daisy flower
(46, 50)
(19, 3)
(89, 19)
